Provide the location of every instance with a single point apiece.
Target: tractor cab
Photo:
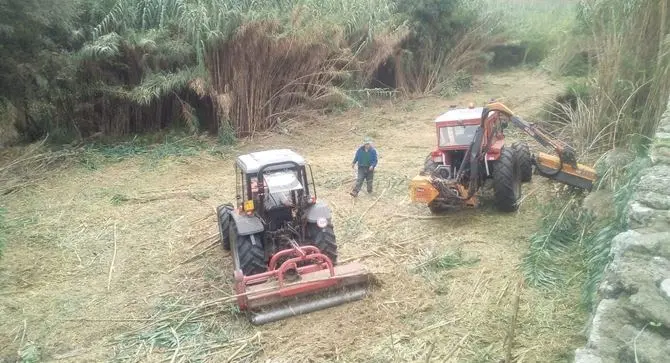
(455, 130)
(274, 184)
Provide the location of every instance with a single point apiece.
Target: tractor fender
(247, 225)
(318, 210)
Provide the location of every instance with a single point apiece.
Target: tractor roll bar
(261, 170)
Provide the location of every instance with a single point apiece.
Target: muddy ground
(108, 260)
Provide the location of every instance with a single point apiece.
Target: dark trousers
(364, 174)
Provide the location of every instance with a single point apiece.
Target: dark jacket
(359, 154)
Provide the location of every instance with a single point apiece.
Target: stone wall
(632, 320)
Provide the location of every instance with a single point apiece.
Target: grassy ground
(112, 257)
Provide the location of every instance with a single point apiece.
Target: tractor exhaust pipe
(306, 307)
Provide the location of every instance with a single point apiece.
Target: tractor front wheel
(429, 166)
(507, 181)
(223, 221)
(436, 207)
(522, 152)
(250, 252)
(323, 239)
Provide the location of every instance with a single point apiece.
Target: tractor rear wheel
(522, 152)
(507, 181)
(250, 252)
(323, 239)
(223, 220)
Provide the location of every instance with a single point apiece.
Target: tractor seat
(277, 216)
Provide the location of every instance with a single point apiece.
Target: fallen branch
(209, 238)
(420, 217)
(174, 356)
(430, 351)
(457, 347)
(241, 348)
(509, 339)
(191, 259)
(371, 205)
(108, 320)
(111, 265)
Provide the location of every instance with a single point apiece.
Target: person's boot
(353, 193)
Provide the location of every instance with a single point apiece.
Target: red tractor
(471, 150)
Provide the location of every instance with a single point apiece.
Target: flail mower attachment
(288, 289)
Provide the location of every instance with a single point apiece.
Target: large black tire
(223, 220)
(436, 207)
(507, 181)
(429, 166)
(323, 239)
(523, 155)
(251, 256)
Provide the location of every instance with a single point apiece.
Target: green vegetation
(574, 240)
(447, 261)
(125, 67)
(535, 29)
(618, 50)
(624, 45)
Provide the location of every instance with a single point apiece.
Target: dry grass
(288, 73)
(167, 298)
(435, 67)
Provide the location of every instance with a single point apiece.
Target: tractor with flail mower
(282, 241)
(472, 153)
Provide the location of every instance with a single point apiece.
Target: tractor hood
(282, 182)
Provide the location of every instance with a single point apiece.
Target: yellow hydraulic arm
(564, 167)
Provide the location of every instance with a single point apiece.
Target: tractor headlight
(322, 222)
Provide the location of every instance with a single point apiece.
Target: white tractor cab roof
(461, 114)
(253, 162)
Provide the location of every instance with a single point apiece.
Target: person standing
(366, 158)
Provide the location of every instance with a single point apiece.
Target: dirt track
(147, 215)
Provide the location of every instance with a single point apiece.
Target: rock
(599, 204)
(660, 155)
(655, 179)
(654, 200)
(608, 320)
(644, 339)
(631, 322)
(640, 215)
(587, 356)
(650, 244)
(648, 305)
(665, 288)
